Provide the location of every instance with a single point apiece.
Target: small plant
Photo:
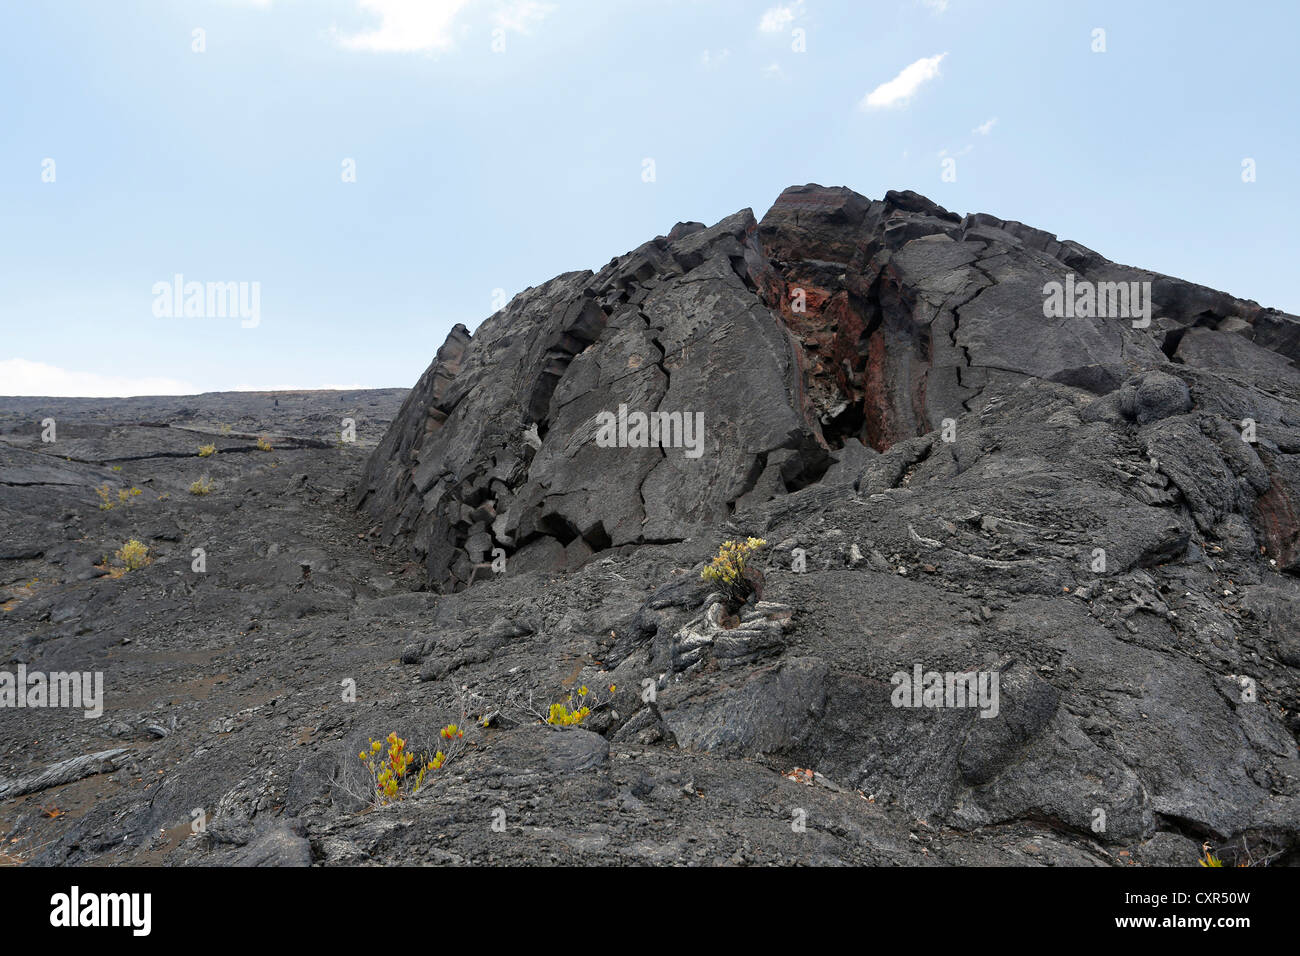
(561, 716)
(117, 467)
(390, 774)
(133, 555)
(1211, 860)
(453, 737)
(202, 486)
(451, 732)
(574, 709)
(105, 498)
(729, 571)
(207, 450)
(225, 429)
(106, 502)
(263, 443)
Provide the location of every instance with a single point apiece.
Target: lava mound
(715, 368)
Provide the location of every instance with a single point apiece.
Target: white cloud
(778, 18)
(407, 26)
(986, 127)
(898, 91)
(938, 6)
(413, 26)
(522, 15)
(21, 377)
(773, 71)
(711, 60)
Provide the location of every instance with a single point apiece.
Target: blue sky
(481, 169)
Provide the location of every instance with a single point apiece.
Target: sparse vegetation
(453, 741)
(207, 450)
(107, 501)
(396, 772)
(574, 709)
(105, 498)
(561, 716)
(202, 486)
(263, 443)
(390, 773)
(133, 555)
(729, 570)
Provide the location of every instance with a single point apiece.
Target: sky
(368, 173)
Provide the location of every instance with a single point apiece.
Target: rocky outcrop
(505, 456)
(975, 449)
(835, 326)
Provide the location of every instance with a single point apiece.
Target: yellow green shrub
(206, 450)
(105, 498)
(397, 773)
(106, 502)
(133, 555)
(575, 708)
(727, 569)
